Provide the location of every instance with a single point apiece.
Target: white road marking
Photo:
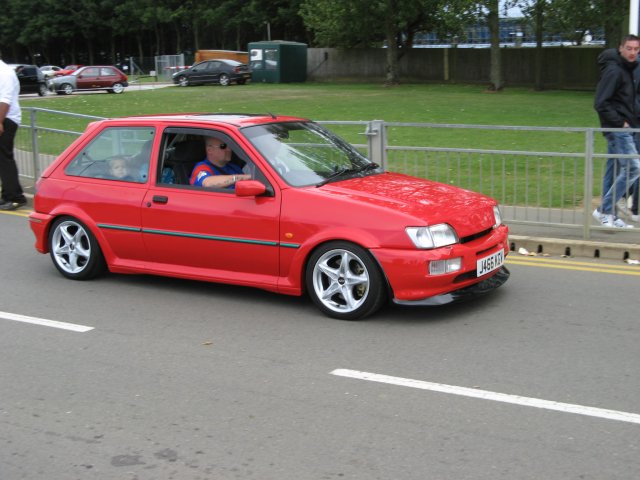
(488, 395)
(44, 322)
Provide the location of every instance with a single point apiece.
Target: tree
(574, 19)
(389, 23)
(615, 13)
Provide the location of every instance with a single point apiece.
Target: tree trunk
(392, 54)
(614, 22)
(196, 36)
(494, 30)
(140, 49)
(539, 33)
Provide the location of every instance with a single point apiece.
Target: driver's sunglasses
(222, 146)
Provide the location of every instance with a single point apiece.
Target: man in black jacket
(615, 103)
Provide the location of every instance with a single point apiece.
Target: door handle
(160, 199)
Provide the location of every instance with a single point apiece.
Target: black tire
(42, 89)
(344, 281)
(224, 80)
(183, 81)
(66, 88)
(74, 250)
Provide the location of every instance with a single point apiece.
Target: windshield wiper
(337, 174)
(348, 171)
(367, 167)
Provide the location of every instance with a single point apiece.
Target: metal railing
(547, 187)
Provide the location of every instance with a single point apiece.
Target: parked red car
(316, 216)
(95, 77)
(68, 70)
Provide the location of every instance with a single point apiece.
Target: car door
(214, 70)
(213, 235)
(111, 202)
(198, 73)
(87, 78)
(106, 77)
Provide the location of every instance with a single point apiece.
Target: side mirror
(249, 188)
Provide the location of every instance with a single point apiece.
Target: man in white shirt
(10, 115)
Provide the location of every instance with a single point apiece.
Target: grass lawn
(421, 103)
(448, 104)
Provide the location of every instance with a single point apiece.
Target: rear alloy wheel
(74, 250)
(183, 81)
(117, 88)
(42, 90)
(344, 281)
(224, 80)
(67, 89)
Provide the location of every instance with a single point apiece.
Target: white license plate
(490, 263)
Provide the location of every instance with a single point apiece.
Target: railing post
(588, 183)
(34, 146)
(377, 142)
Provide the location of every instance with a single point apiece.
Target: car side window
(105, 72)
(184, 152)
(91, 72)
(117, 153)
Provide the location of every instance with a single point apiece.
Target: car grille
(476, 236)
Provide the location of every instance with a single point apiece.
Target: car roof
(223, 60)
(189, 119)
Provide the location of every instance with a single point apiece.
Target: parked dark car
(220, 71)
(32, 80)
(96, 77)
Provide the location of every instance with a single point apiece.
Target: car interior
(183, 151)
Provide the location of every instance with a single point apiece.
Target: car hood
(62, 78)
(424, 202)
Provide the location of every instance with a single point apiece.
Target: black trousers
(11, 189)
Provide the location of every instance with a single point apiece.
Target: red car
(94, 77)
(301, 211)
(68, 70)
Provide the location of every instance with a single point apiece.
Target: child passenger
(119, 170)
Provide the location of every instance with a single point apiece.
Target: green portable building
(278, 61)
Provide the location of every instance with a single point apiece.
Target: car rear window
(116, 153)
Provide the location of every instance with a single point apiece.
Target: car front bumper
(410, 280)
(476, 290)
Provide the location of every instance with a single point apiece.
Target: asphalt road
(184, 380)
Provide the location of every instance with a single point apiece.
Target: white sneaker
(607, 220)
(616, 223)
(599, 217)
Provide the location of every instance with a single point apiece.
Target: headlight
(434, 236)
(497, 215)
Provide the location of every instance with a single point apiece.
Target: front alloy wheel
(344, 281)
(224, 80)
(67, 89)
(74, 250)
(117, 88)
(183, 81)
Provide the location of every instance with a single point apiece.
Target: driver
(216, 170)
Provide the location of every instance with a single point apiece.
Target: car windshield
(304, 153)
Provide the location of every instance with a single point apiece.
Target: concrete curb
(575, 248)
